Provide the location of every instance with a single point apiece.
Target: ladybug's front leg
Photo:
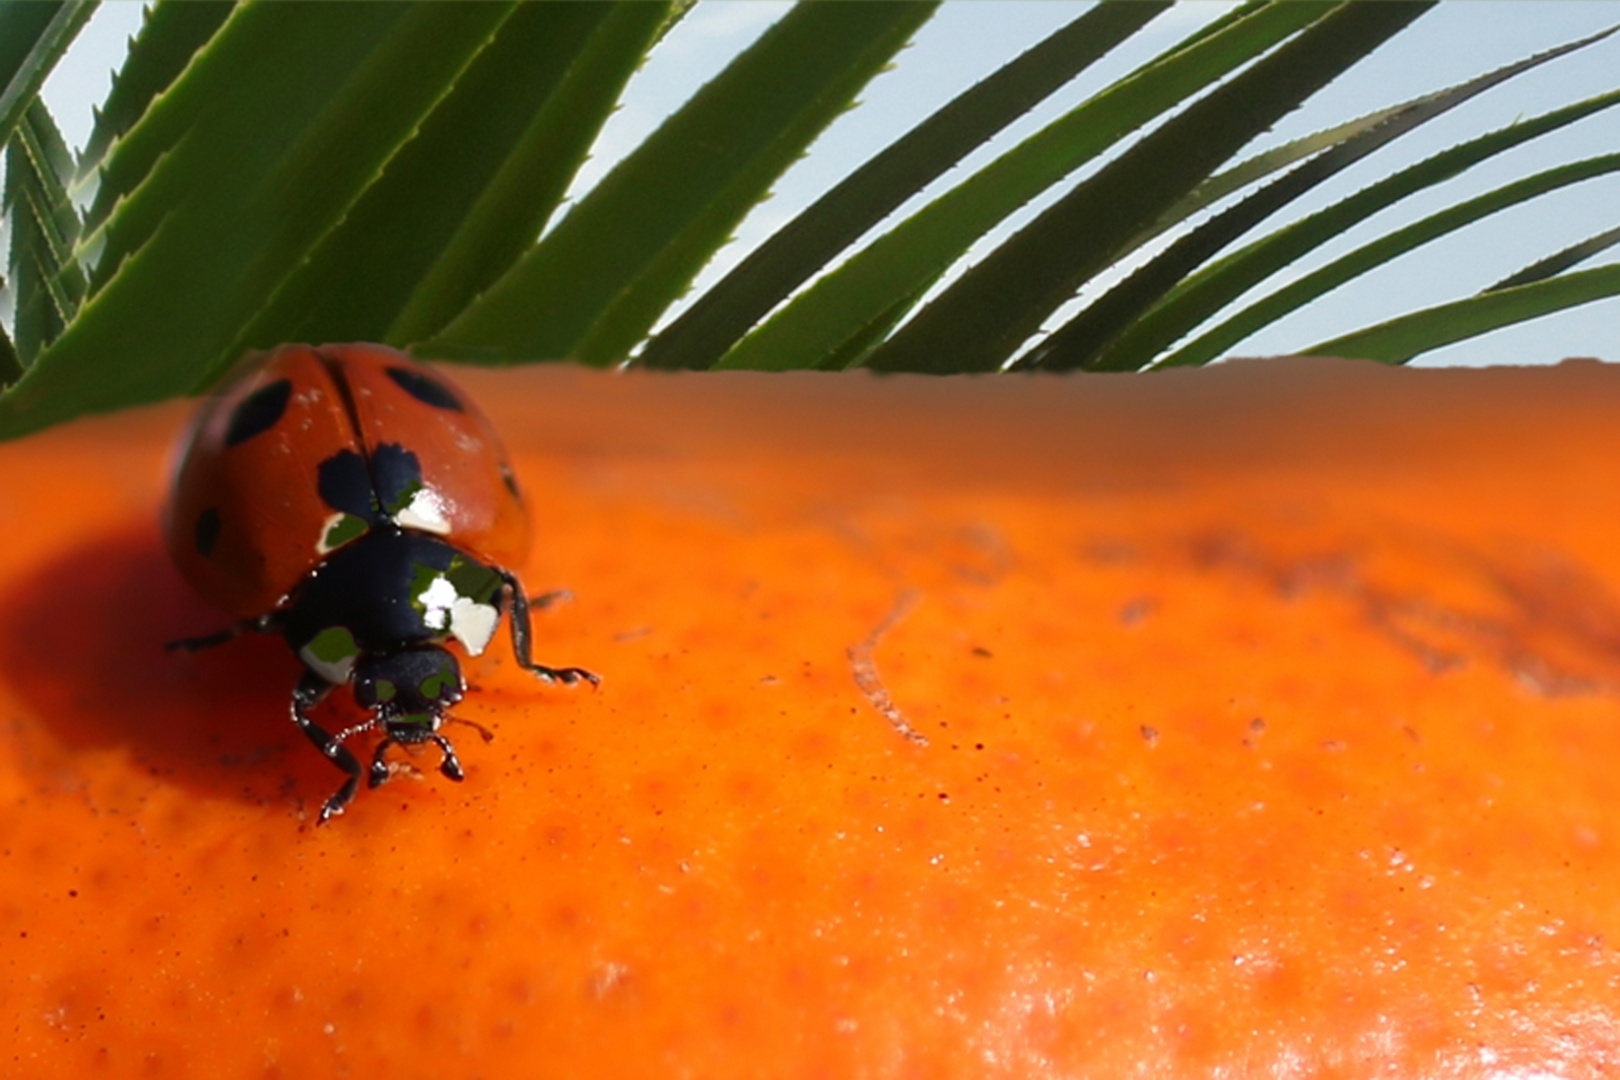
(520, 637)
(309, 692)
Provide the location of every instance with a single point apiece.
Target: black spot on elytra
(207, 531)
(258, 412)
(424, 388)
(344, 484)
(398, 476)
(510, 481)
(374, 491)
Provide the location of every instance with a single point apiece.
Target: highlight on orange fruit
(1257, 720)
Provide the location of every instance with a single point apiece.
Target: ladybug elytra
(358, 504)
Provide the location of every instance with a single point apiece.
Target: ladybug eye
(424, 388)
(258, 412)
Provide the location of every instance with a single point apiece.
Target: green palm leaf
(33, 37)
(1217, 340)
(993, 308)
(635, 242)
(171, 36)
(868, 288)
(802, 247)
(488, 166)
(397, 171)
(250, 157)
(1119, 333)
(47, 284)
(1573, 255)
(1399, 340)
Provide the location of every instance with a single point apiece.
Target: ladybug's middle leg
(309, 692)
(546, 599)
(263, 624)
(520, 637)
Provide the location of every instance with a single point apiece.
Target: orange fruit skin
(1270, 717)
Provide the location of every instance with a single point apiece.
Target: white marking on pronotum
(331, 654)
(426, 512)
(866, 673)
(473, 624)
(436, 600)
(336, 673)
(338, 529)
(465, 619)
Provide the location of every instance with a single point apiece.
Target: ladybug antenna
(489, 736)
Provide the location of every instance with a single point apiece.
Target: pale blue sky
(969, 38)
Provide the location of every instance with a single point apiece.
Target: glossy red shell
(257, 505)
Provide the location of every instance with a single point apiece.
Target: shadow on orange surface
(84, 646)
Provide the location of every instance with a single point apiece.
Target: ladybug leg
(545, 600)
(264, 624)
(379, 768)
(309, 692)
(451, 765)
(520, 636)
(488, 735)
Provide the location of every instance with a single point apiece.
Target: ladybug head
(408, 691)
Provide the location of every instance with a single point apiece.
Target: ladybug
(359, 505)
